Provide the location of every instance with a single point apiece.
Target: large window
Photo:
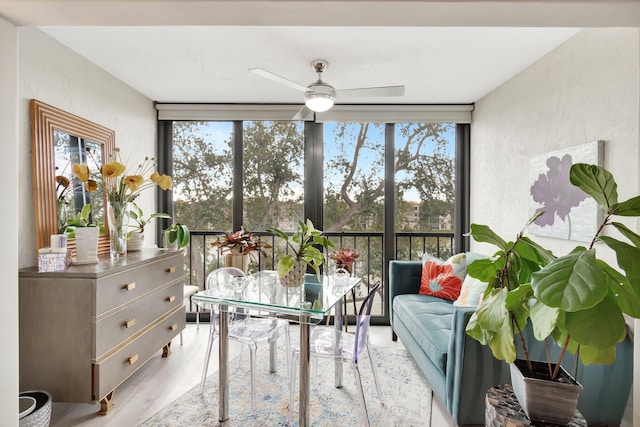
(389, 190)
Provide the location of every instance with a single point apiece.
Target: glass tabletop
(263, 292)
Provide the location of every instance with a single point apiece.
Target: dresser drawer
(111, 372)
(121, 325)
(118, 289)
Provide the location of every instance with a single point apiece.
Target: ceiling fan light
(318, 102)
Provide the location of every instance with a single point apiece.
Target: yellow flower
(133, 181)
(63, 181)
(81, 171)
(112, 170)
(91, 185)
(163, 181)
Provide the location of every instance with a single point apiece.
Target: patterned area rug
(406, 394)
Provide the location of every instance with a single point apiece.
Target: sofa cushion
(429, 321)
(472, 289)
(443, 279)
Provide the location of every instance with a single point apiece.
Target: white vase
(86, 245)
(166, 243)
(135, 241)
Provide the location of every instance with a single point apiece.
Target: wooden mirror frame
(44, 120)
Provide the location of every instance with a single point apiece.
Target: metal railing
(371, 265)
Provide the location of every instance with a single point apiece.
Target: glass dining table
(264, 296)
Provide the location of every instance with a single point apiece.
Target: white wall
(587, 89)
(9, 215)
(35, 66)
(55, 75)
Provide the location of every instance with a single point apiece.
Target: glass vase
(118, 221)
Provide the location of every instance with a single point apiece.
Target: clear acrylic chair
(244, 329)
(329, 343)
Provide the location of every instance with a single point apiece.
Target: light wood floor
(162, 380)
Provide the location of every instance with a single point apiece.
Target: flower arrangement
(120, 188)
(241, 242)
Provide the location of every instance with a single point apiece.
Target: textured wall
(55, 75)
(9, 215)
(585, 90)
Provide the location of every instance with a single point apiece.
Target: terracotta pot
(238, 261)
(295, 277)
(543, 399)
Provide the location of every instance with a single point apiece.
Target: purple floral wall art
(568, 212)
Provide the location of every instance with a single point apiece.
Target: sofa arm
(471, 371)
(404, 278)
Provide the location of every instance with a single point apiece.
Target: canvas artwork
(569, 213)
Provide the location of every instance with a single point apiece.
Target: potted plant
(304, 251)
(85, 234)
(344, 258)
(176, 236)
(576, 300)
(135, 236)
(239, 246)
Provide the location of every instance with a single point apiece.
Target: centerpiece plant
(304, 251)
(576, 300)
(344, 258)
(239, 246)
(121, 187)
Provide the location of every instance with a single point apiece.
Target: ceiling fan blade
(303, 113)
(278, 79)
(371, 91)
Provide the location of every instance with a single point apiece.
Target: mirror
(59, 139)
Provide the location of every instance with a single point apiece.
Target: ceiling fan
(319, 96)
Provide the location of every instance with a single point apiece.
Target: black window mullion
(314, 173)
(238, 175)
(462, 188)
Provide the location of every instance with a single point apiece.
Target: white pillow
(471, 292)
(472, 289)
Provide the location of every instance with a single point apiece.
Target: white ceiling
(172, 52)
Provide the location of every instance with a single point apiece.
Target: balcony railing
(371, 265)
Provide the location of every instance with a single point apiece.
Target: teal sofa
(460, 370)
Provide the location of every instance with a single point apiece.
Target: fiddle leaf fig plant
(303, 246)
(577, 300)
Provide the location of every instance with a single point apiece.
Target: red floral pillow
(443, 279)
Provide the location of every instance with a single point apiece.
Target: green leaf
(475, 331)
(596, 182)
(627, 257)
(502, 344)
(622, 291)
(590, 355)
(532, 251)
(485, 269)
(285, 265)
(572, 282)
(628, 233)
(600, 326)
(543, 319)
(518, 297)
(629, 207)
(492, 312)
(482, 233)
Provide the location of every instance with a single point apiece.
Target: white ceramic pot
(135, 241)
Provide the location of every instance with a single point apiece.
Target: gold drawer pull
(129, 323)
(129, 286)
(172, 298)
(173, 327)
(133, 359)
(171, 270)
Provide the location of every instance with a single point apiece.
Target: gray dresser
(85, 330)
